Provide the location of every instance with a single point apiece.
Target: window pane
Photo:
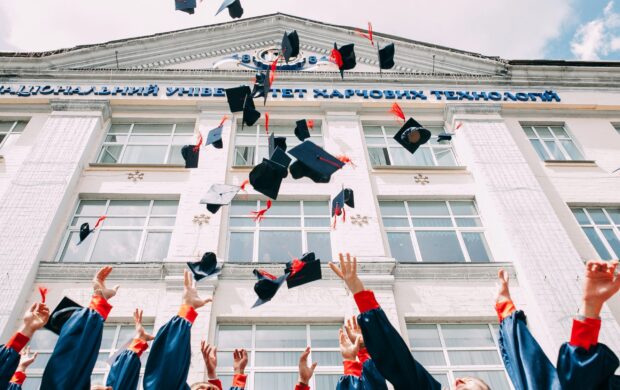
(116, 138)
(275, 380)
(158, 221)
(276, 359)
(116, 221)
(597, 243)
(278, 336)
(395, 222)
(5, 127)
(43, 340)
(326, 359)
(316, 208)
(327, 381)
(317, 222)
(225, 359)
(175, 156)
(116, 246)
(428, 208)
(152, 128)
(285, 208)
(612, 239)
(128, 207)
(392, 208)
(559, 132)
(571, 149)
(244, 155)
(402, 157)
(401, 247)
(119, 128)
(320, 244)
(540, 150)
(107, 338)
(478, 358)
(495, 379)
(242, 222)
(144, 154)
(324, 336)
(110, 154)
(443, 379)
(439, 246)
(280, 222)
(476, 247)
(91, 207)
(598, 216)
(581, 216)
(615, 215)
(240, 249)
(73, 253)
(278, 246)
(543, 132)
(149, 139)
(430, 358)
(156, 247)
(165, 207)
(556, 153)
(467, 335)
(373, 130)
(234, 336)
(445, 157)
(463, 208)
(468, 222)
(423, 157)
(431, 222)
(243, 208)
(423, 336)
(185, 128)
(183, 140)
(378, 157)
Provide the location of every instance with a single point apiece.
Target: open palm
(601, 282)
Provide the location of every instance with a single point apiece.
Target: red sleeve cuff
(504, 309)
(216, 382)
(138, 346)
(585, 333)
(18, 378)
(239, 380)
(100, 305)
(188, 312)
(363, 355)
(366, 301)
(352, 367)
(302, 386)
(18, 342)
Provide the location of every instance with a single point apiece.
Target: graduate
(77, 348)
(169, 360)
(25, 360)
(209, 355)
(10, 358)
(386, 347)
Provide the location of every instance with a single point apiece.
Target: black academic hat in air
(84, 232)
(219, 195)
(347, 53)
(267, 286)
(345, 197)
(61, 315)
(267, 176)
(386, 57)
(301, 130)
(237, 97)
(444, 137)
(234, 8)
(207, 266)
(276, 142)
(250, 115)
(262, 86)
(185, 5)
(190, 154)
(215, 137)
(303, 271)
(313, 162)
(412, 135)
(290, 45)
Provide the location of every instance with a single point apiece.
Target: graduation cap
(386, 57)
(301, 129)
(345, 197)
(290, 45)
(344, 57)
(218, 196)
(234, 8)
(412, 135)
(303, 271)
(250, 115)
(215, 137)
(267, 176)
(85, 229)
(61, 315)
(190, 154)
(236, 97)
(276, 142)
(444, 137)
(313, 162)
(267, 286)
(185, 5)
(207, 266)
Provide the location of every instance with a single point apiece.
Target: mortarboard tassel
(336, 58)
(329, 162)
(367, 36)
(346, 160)
(267, 123)
(245, 183)
(272, 74)
(336, 214)
(296, 266)
(224, 119)
(396, 110)
(260, 214)
(199, 143)
(43, 292)
(310, 123)
(458, 125)
(99, 221)
(266, 274)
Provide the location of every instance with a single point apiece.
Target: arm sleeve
(238, 382)
(9, 358)
(351, 380)
(14, 386)
(169, 360)
(388, 350)
(301, 386)
(125, 372)
(371, 377)
(585, 364)
(76, 350)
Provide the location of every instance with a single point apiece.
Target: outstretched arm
(371, 377)
(305, 371)
(25, 360)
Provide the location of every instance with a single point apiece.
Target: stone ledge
(452, 271)
(570, 163)
(400, 168)
(149, 167)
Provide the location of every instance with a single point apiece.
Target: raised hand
(349, 349)
(354, 331)
(305, 371)
(209, 355)
(99, 287)
(503, 290)
(190, 294)
(240, 360)
(601, 283)
(35, 318)
(348, 273)
(25, 359)
(140, 331)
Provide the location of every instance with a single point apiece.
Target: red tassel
(99, 221)
(260, 214)
(272, 74)
(344, 215)
(43, 292)
(267, 123)
(197, 146)
(330, 162)
(310, 123)
(224, 119)
(458, 125)
(266, 274)
(337, 212)
(336, 58)
(396, 110)
(346, 160)
(296, 266)
(367, 36)
(245, 183)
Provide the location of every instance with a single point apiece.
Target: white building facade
(527, 183)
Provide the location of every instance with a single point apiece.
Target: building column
(548, 266)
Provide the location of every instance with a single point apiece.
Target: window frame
(556, 140)
(12, 130)
(597, 228)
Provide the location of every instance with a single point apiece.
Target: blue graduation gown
(14, 386)
(388, 350)
(9, 360)
(370, 379)
(125, 371)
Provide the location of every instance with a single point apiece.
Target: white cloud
(599, 37)
(506, 28)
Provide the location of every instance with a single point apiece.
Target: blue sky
(511, 29)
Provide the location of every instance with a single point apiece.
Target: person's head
(470, 383)
(203, 386)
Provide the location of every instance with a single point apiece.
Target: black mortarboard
(313, 162)
(262, 86)
(185, 5)
(215, 137)
(207, 266)
(386, 57)
(302, 271)
(237, 97)
(218, 196)
(84, 232)
(266, 287)
(347, 53)
(267, 176)
(345, 197)
(290, 45)
(301, 130)
(190, 155)
(61, 315)
(412, 135)
(444, 137)
(234, 8)
(281, 158)
(250, 115)
(276, 142)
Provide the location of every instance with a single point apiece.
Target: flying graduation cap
(190, 154)
(290, 45)
(267, 286)
(219, 195)
(344, 57)
(234, 8)
(85, 229)
(444, 137)
(412, 134)
(276, 142)
(344, 198)
(207, 266)
(313, 162)
(61, 314)
(215, 136)
(386, 57)
(240, 99)
(267, 176)
(301, 129)
(303, 271)
(185, 5)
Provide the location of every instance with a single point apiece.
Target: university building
(526, 183)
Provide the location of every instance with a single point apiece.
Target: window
(10, 132)
(617, 127)
(251, 139)
(435, 231)
(552, 143)
(450, 351)
(274, 351)
(146, 143)
(602, 226)
(115, 337)
(385, 151)
(134, 230)
(288, 230)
